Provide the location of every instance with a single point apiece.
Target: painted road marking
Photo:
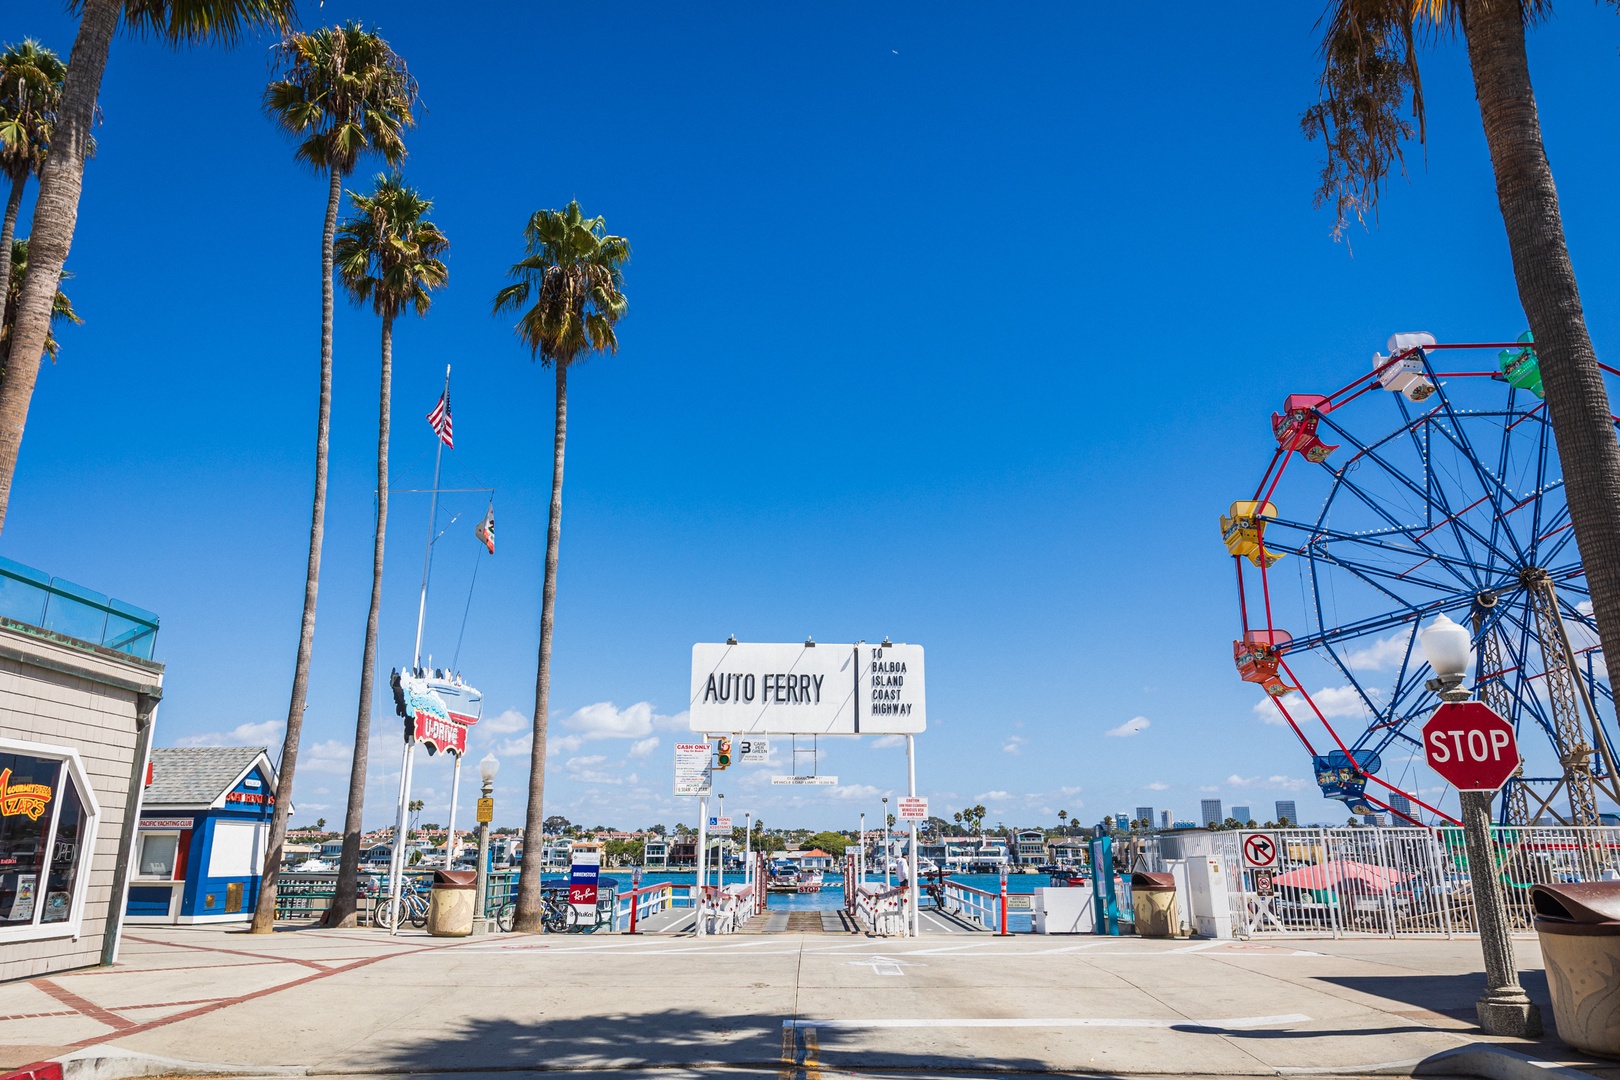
(884, 965)
(1235, 1023)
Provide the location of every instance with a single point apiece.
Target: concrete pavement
(356, 1001)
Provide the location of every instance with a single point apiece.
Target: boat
(784, 877)
(809, 881)
(314, 866)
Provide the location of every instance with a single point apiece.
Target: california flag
(486, 529)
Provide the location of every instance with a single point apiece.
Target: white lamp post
(487, 768)
(1504, 1008)
(887, 869)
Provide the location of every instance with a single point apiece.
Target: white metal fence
(1388, 882)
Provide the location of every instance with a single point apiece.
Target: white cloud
(507, 723)
(1134, 726)
(1157, 785)
(884, 742)
(1237, 781)
(269, 733)
(330, 756)
(1335, 703)
(604, 720)
(1209, 789)
(860, 792)
(1014, 744)
(582, 762)
(1286, 783)
(993, 796)
(1381, 654)
(642, 747)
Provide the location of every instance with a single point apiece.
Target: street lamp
(487, 769)
(1504, 1008)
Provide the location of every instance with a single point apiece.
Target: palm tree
(61, 308)
(342, 92)
(1063, 819)
(61, 176)
(30, 88)
(390, 254)
(569, 289)
(1370, 87)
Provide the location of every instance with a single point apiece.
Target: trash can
(1579, 928)
(1153, 899)
(450, 906)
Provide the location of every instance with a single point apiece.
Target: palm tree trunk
(56, 211)
(1577, 402)
(342, 911)
(264, 914)
(529, 907)
(8, 230)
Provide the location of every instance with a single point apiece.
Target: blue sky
(957, 329)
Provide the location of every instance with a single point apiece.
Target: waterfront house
(655, 852)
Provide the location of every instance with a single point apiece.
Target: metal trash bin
(1579, 928)
(450, 905)
(1153, 899)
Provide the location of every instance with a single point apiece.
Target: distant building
(1285, 809)
(1210, 811)
(1242, 813)
(1372, 819)
(1185, 825)
(1164, 819)
(1401, 805)
(1145, 813)
(1122, 821)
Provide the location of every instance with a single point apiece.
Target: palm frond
(388, 251)
(573, 272)
(341, 92)
(192, 22)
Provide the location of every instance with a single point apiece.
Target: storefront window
(43, 828)
(157, 855)
(65, 857)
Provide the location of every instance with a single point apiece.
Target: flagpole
(433, 520)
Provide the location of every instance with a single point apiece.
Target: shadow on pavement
(1449, 995)
(672, 1038)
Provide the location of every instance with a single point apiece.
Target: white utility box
(1063, 911)
(1211, 907)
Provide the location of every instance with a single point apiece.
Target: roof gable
(201, 775)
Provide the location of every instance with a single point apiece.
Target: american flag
(440, 419)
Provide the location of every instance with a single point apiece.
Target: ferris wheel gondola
(1415, 491)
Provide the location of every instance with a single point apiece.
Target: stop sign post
(1474, 749)
(1470, 746)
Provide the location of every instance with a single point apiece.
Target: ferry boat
(784, 877)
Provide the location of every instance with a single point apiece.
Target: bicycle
(558, 916)
(415, 909)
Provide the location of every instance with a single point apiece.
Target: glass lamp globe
(1447, 647)
(488, 767)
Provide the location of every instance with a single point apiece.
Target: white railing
(725, 910)
(1396, 882)
(632, 907)
(978, 905)
(883, 910)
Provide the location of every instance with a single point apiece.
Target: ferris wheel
(1429, 486)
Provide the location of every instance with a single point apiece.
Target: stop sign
(1471, 746)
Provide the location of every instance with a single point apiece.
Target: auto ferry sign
(759, 688)
(1470, 746)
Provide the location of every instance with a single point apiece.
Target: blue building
(204, 829)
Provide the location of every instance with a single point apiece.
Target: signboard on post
(585, 867)
(912, 808)
(722, 823)
(1264, 883)
(692, 773)
(486, 811)
(807, 689)
(806, 781)
(1259, 851)
(753, 751)
(1470, 746)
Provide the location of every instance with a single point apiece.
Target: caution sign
(486, 811)
(1259, 851)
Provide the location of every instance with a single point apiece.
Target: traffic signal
(723, 754)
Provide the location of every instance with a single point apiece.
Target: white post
(720, 859)
(702, 861)
(911, 768)
(888, 852)
(396, 868)
(455, 795)
(748, 847)
(433, 520)
(860, 855)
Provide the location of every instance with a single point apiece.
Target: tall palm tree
(61, 308)
(61, 176)
(1370, 98)
(390, 254)
(342, 92)
(30, 89)
(570, 292)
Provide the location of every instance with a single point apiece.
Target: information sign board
(807, 689)
(806, 781)
(722, 823)
(1259, 851)
(1020, 902)
(693, 775)
(584, 870)
(913, 808)
(486, 811)
(755, 751)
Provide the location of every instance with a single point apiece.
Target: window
(47, 827)
(157, 857)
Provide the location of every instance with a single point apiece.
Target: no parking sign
(1259, 851)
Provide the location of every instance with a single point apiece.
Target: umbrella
(1335, 871)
